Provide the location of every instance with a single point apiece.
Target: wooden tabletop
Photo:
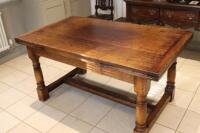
(149, 50)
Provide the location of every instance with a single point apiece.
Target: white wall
(33, 14)
(80, 7)
(13, 18)
(119, 8)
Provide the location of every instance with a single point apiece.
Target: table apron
(103, 69)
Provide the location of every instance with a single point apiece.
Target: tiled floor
(70, 110)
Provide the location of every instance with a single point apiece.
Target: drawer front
(179, 16)
(142, 13)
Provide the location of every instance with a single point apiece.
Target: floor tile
(7, 122)
(91, 76)
(50, 72)
(97, 130)
(23, 128)
(10, 97)
(45, 118)
(56, 64)
(71, 125)
(182, 98)
(118, 84)
(180, 62)
(11, 76)
(47, 61)
(19, 62)
(171, 116)
(192, 62)
(25, 107)
(190, 71)
(27, 69)
(195, 105)
(69, 100)
(160, 129)
(101, 107)
(55, 77)
(27, 86)
(119, 120)
(156, 92)
(3, 87)
(190, 123)
(187, 83)
(59, 91)
(33, 94)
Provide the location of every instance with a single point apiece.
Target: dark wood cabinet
(162, 12)
(142, 13)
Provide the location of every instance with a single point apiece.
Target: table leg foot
(141, 129)
(43, 94)
(82, 71)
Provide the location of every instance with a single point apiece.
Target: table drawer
(179, 16)
(142, 13)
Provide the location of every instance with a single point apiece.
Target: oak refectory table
(133, 53)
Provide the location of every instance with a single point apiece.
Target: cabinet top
(163, 4)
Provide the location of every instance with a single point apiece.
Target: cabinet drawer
(179, 16)
(142, 13)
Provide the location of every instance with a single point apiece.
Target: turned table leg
(141, 88)
(42, 91)
(171, 76)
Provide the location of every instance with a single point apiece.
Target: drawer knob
(190, 18)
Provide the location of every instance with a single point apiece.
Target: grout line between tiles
(15, 102)
(165, 126)
(187, 109)
(12, 87)
(25, 124)
(97, 128)
(57, 123)
(67, 114)
(104, 117)
(18, 120)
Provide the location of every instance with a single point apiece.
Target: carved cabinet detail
(178, 15)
